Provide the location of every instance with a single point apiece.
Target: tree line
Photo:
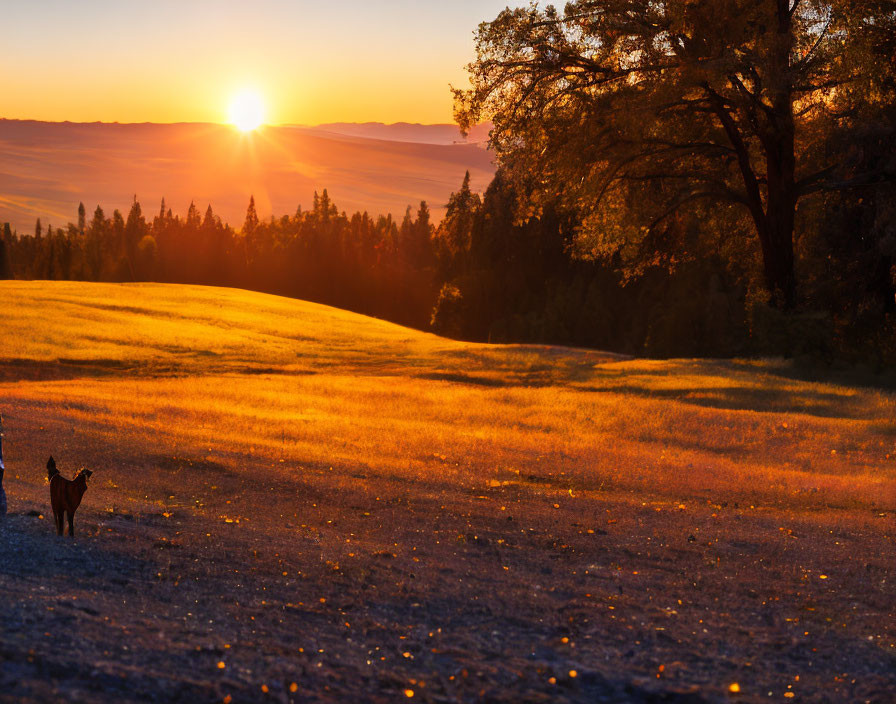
(373, 265)
(486, 274)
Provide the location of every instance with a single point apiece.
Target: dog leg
(57, 519)
(71, 524)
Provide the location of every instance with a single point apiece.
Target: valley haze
(47, 168)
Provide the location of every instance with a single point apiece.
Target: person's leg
(2, 469)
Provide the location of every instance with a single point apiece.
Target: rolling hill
(295, 502)
(46, 169)
(410, 132)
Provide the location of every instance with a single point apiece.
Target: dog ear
(88, 473)
(51, 463)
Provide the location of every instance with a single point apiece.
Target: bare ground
(521, 592)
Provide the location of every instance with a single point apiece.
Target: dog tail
(51, 469)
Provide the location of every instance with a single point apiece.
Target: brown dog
(66, 495)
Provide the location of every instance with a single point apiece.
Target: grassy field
(295, 502)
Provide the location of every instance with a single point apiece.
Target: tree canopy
(686, 122)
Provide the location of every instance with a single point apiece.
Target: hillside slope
(824, 437)
(288, 494)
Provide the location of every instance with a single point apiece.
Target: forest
(375, 266)
(748, 209)
(481, 276)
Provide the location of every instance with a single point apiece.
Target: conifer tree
(193, 220)
(422, 244)
(4, 257)
(406, 232)
(251, 222)
(455, 232)
(98, 221)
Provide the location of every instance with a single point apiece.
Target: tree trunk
(779, 143)
(780, 213)
(778, 263)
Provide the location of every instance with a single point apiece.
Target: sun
(246, 111)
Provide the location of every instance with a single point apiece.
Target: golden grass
(255, 381)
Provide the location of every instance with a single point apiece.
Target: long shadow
(465, 379)
(30, 549)
(547, 366)
(884, 380)
(815, 403)
(57, 370)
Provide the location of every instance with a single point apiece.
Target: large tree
(650, 115)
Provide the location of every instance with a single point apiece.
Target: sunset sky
(175, 61)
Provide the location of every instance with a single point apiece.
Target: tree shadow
(855, 377)
(738, 398)
(464, 379)
(30, 549)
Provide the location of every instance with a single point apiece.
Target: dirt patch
(370, 594)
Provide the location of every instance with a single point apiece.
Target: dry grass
(226, 374)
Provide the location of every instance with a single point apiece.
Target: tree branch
(754, 196)
(869, 178)
(805, 58)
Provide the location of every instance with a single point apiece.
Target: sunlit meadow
(227, 374)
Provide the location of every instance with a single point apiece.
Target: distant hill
(46, 169)
(406, 132)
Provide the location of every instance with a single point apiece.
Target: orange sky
(167, 61)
